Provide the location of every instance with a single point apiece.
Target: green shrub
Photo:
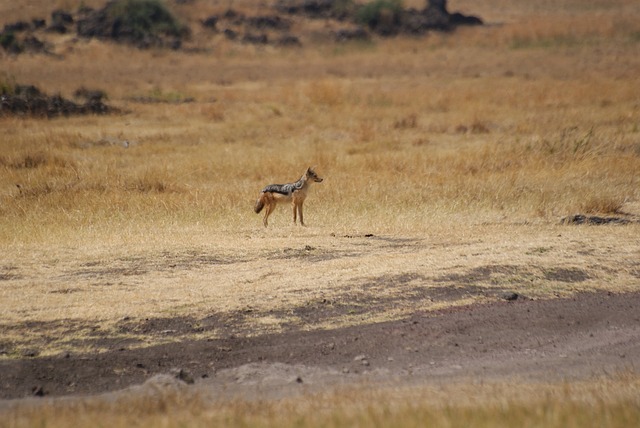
(9, 42)
(371, 14)
(141, 18)
(7, 84)
(342, 9)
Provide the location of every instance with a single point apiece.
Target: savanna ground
(435, 280)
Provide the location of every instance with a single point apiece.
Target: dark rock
(210, 22)
(256, 39)
(38, 23)
(10, 43)
(183, 375)
(38, 391)
(233, 16)
(385, 20)
(346, 35)
(28, 100)
(90, 94)
(17, 27)
(460, 19)
(510, 297)
(594, 220)
(60, 20)
(413, 22)
(274, 22)
(31, 353)
(288, 40)
(60, 16)
(230, 34)
(57, 28)
(315, 8)
(33, 44)
(438, 17)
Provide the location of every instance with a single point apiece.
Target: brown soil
(586, 335)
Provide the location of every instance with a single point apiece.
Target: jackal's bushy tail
(259, 204)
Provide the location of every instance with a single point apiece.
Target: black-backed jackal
(295, 193)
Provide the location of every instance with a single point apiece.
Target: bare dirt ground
(586, 335)
(554, 304)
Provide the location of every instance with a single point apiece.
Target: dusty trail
(587, 335)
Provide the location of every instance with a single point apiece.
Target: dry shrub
(155, 180)
(567, 29)
(214, 112)
(602, 204)
(35, 159)
(325, 92)
(407, 122)
(366, 132)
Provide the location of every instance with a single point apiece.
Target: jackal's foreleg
(294, 206)
(300, 213)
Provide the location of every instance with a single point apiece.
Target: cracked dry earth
(559, 304)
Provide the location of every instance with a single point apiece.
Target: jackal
(295, 193)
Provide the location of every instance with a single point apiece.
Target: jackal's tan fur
(295, 193)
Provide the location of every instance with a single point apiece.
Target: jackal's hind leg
(267, 212)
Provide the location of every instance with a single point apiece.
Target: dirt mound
(28, 100)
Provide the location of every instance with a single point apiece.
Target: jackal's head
(311, 175)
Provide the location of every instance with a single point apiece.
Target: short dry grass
(508, 120)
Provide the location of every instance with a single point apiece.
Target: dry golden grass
(465, 140)
(488, 144)
(605, 402)
(468, 146)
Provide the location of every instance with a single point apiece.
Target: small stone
(510, 297)
(30, 353)
(182, 375)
